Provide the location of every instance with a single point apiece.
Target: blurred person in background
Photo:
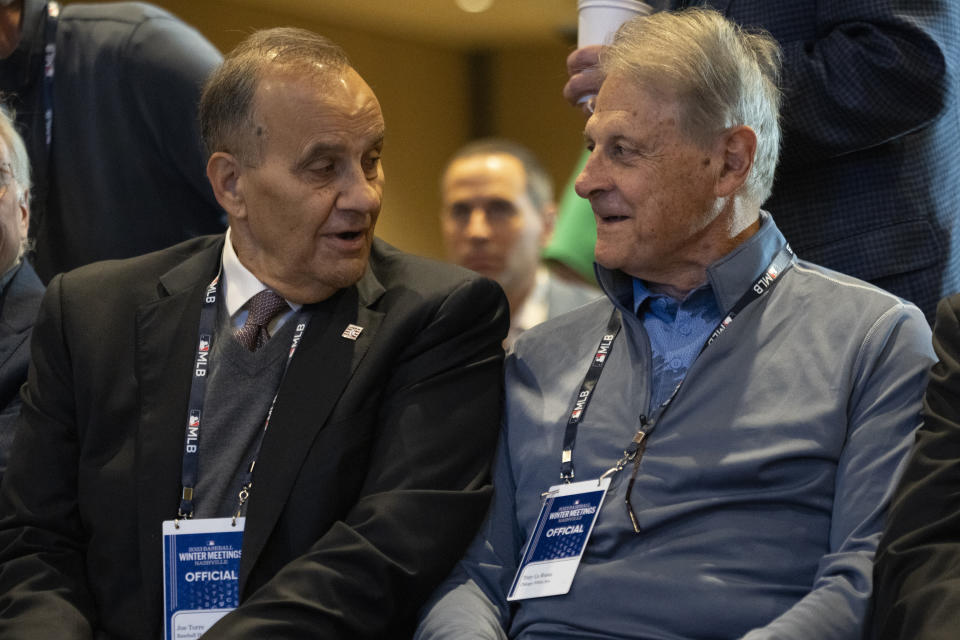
(106, 100)
(498, 214)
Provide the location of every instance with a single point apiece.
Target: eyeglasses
(634, 453)
(640, 445)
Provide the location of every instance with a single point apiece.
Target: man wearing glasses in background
(719, 437)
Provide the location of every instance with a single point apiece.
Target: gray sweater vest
(241, 385)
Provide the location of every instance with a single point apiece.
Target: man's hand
(585, 78)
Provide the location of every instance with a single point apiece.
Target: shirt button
(675, 363)
(684, 329)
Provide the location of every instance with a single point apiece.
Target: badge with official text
(201, 561)
(554, 550)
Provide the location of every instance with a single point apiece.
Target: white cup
(600, 19)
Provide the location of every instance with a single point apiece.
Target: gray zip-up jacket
(762, 492)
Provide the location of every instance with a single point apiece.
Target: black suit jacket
(18, 309)
(371, 481)
(917, 574)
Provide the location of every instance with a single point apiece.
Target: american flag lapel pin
(352, 332)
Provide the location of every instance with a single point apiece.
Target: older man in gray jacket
(710, 450)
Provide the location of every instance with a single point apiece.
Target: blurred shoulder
(570, 331)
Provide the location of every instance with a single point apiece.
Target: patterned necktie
(263, 308)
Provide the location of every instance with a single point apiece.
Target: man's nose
(590, 180)
(477, 225)
(360, 193)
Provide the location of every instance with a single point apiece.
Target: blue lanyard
(198, 392)
(782, 261)
(49, 57)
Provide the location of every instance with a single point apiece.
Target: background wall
(431, 95)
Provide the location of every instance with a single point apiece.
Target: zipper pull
(642, 431)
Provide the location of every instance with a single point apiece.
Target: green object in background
(575, 233)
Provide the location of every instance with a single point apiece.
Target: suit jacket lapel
(318, 374)
(165, 349)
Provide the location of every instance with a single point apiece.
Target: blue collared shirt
(677, 331)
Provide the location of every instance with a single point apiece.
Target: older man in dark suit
(331, 426)
(20, 288)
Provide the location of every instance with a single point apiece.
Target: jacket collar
(729, 277)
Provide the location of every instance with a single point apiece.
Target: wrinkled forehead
(329, 81)
(7, 171)
(625, 90)
(628, 104)
(290, 96)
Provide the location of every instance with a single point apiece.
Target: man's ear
(736, 147)
(24, 204)
(223, 171)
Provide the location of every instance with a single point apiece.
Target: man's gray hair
(226, 106)
(19, 161)
(722, 75)
(539, 184)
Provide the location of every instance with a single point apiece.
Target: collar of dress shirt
(729, 277)
(238, 284)
(534, 309)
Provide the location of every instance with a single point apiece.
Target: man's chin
(318, 286)
(484, 268)
(607, 261)
(347, 274)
